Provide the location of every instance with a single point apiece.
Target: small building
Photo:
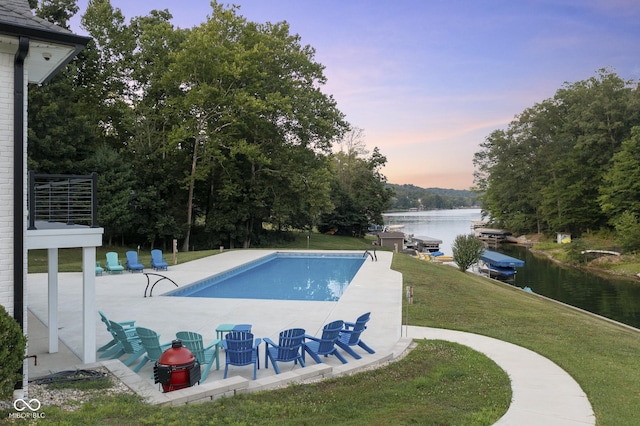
(392, 240)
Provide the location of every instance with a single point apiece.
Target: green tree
(60, 129)
(620, 191)
(249, 96)
(115, 192)
(157, 195)
(466, 250)
(544, 173)
(627, 228)
(359, 193)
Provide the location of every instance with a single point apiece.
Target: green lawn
(603, 357)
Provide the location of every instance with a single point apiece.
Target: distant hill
(410, 196)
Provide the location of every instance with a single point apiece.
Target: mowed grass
(602, 356)
(437, 383)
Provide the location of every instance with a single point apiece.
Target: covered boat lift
(500, 265)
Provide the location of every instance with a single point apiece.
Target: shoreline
(591, 269)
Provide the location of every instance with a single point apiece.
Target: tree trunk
(192, 184)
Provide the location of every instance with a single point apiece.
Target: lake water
(614, 298)
(443, 225)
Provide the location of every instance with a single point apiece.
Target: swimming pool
(281, 276)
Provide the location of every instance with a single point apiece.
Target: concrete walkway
(542, 393)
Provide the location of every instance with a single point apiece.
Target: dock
(426, 244)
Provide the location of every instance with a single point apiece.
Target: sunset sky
(428, 80)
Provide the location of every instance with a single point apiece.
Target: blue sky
(428, 80)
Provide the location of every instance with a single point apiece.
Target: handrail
(373, 256)
(162, 277)
(67, 199)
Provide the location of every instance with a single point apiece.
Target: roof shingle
(17, 13)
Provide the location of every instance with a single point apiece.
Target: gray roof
(16, 17)
(17, 21)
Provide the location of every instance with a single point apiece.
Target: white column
(89, 304)
(53, 299)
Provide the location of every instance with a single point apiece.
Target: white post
(52, 258)
(88, 305)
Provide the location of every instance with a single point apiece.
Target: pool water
(281, 276)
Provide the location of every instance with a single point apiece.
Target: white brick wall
(6, 181)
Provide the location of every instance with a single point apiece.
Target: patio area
(375, 288)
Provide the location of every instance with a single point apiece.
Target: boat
(498, 265)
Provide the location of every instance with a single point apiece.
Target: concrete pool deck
(542, 392)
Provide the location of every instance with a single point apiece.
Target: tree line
(569, 163)
(409, 196)
(215, 135)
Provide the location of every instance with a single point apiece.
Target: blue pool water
(281, 276)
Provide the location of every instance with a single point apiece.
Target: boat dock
(425, 244)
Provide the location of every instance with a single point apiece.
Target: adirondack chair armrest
(131, 331)
(268, 342)
(257, 342)
(216, 342)
(165, 346)
(306, 336)
(347, 331)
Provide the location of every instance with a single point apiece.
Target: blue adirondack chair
(130, 342)
(289, 348)
(240, 350)
(204, 354)
(324, 345)
(151, 343)
(113, 265)
(350, 336)
(133, 264)
(158, 262)
(113, 346)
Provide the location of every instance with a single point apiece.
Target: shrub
(627, 228)
(574, 251)
(467, 250)
(12, 346)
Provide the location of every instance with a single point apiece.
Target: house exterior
(33, 51)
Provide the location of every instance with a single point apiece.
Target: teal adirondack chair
(99, 269)
(325, 345)
(130, 342)
(151, 343)
(113, 265)
(114, 347)
(204, 354)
